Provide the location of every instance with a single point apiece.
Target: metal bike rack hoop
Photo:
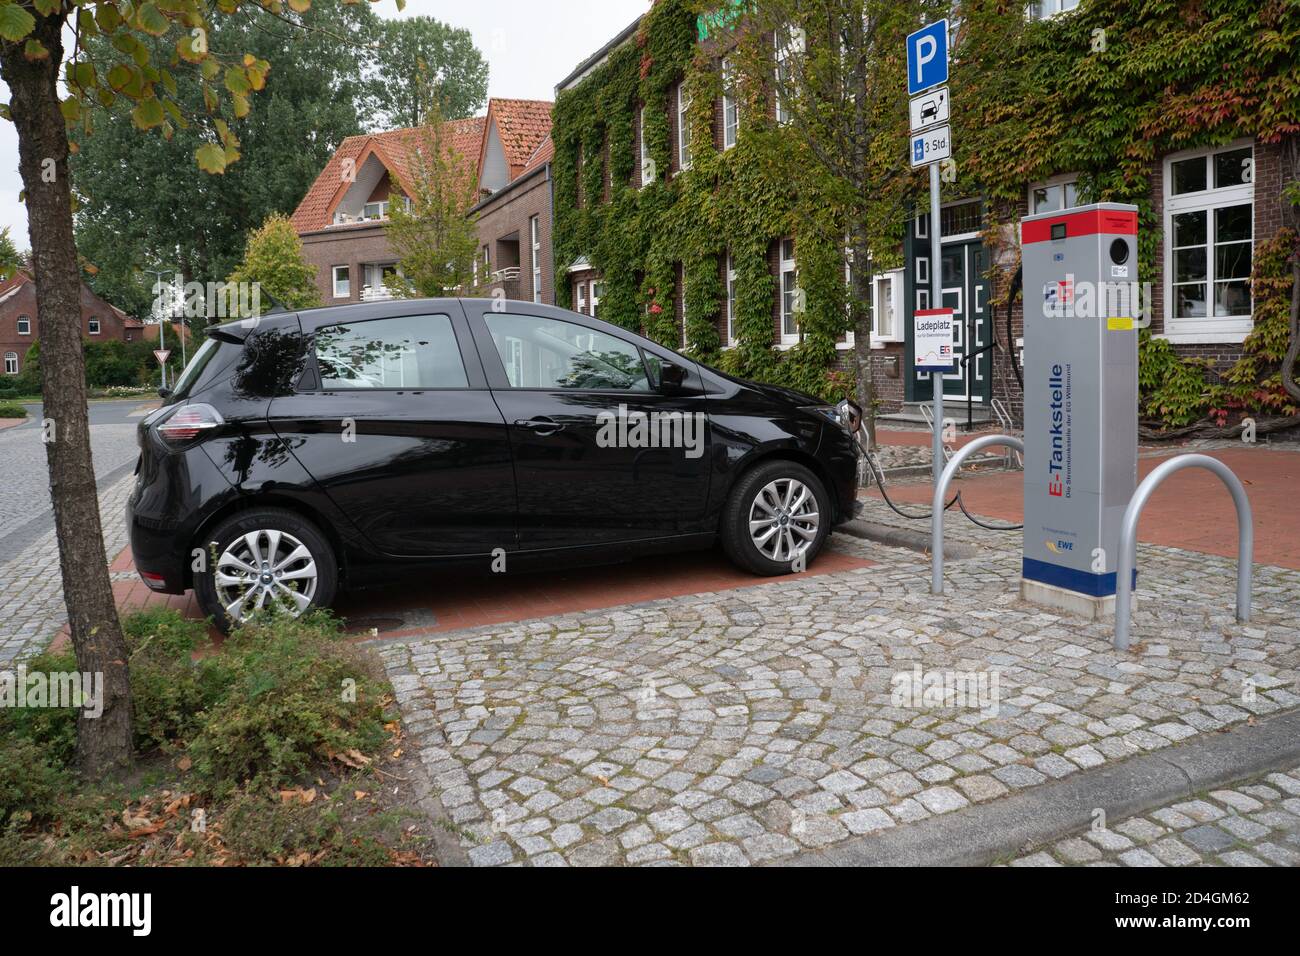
(941, 492)
(1128, 538)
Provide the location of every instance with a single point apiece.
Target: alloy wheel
(264, 569)
(783, 520)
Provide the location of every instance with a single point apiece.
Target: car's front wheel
(776, 519)
(263, 559)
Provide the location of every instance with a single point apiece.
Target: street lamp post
(162, 318)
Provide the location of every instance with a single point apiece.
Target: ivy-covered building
(685, 206)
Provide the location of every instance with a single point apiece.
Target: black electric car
(302, 453)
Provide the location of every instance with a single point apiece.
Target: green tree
(140, 73)
(842, 96)
(142, 202)
(434, 241)
(9, 260)
(424, 66)
(273, 259)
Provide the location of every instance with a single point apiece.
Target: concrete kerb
(990, 832)
(918, 541)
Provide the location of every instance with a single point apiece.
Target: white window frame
(646, 178)
(730, 107)
(595, 298)
(794, 44)
(684, 157)
(731, 300)
(1210, 329)
(11, 363)
(582, 297)
(27, 321)
(1046, 9)
(1054, 182)
(93, 326)
(894, 278)
(535, 236)
(334, 276)
(788, 267)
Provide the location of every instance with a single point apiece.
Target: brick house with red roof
(341, 219)
(20, 322)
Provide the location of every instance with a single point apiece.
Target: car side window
(547, 353)
(412, 352)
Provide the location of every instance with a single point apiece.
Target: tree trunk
(103, 744)
(858, 232)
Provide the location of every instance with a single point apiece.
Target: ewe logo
(1060, 547)
(134, 910)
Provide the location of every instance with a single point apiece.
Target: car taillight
(188, 423)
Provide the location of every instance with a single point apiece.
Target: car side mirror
(164, 393)
(672, 378)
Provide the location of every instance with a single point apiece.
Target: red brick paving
(461, 601)
(1191, 510)
(11, 423)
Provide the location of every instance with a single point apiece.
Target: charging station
(1081, 402)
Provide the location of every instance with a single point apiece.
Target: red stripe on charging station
(1090, 223)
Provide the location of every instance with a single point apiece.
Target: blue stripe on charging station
(1093, 585)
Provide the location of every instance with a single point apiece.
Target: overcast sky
(530, 45)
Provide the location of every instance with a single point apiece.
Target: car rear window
(202, 360)
(412, 352)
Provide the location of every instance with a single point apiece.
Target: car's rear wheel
(776, 519)
(263, 559)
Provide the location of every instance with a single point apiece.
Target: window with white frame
(11, 363)
(93, 326)
(597, 293)
(887, 306)
(647, 168)
(1209, 244)
(1046, 9)
(342, 282)
(789, 294)
(535, 234)
(730, 106)
(24, 325)
(582, 297)
(731, 300)
(789, 43)
(1055, 194)
(683, 127)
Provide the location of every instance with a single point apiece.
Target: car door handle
(542, 426)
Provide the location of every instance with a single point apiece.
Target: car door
(394, 420)
(603, 451)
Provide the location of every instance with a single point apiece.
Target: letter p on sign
(927, 57)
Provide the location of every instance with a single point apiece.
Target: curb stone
(987, 833)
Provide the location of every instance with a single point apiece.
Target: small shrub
(12, 410)
(287, 704)
(29, 781)
(169, 691)
(53, 730)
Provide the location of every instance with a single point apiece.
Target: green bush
(12, 410)
(169, 691)
(52, 729)
(6, 393)
(295, 693)
(262, 830)
(30, 782)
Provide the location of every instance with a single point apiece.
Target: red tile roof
(522, 126)
(13, 282)
(394, 149)
(541, 156)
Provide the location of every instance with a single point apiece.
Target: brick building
(20, 321)
(341, 219)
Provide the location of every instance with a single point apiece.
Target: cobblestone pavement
(1252, 824)
(25, 508)
(31, 596)
(742, 727)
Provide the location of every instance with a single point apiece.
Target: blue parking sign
(918, 150)
(927, 57)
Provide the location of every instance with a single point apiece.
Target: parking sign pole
(936, 302)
